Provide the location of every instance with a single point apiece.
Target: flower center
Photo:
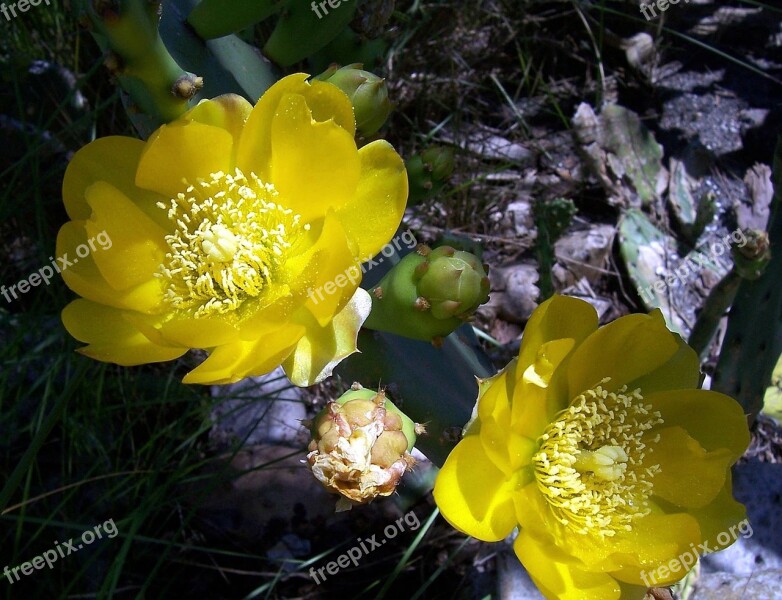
(229, 239)
(592, 465)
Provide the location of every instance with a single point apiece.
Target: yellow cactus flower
(221, 225)
(598, 446)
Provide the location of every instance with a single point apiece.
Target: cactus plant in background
(551, 220)
(643, 247)
(137, 56)
(750, 262)
(429, 294)
(302, 30)
(753, 341)
(161, 64)
(168, 58)
(361, 445)
(214, 18)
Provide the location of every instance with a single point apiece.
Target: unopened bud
(367, 92)
(429, 293)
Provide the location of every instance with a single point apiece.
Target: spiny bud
(361, 446)
(367, 92)
(429, 293)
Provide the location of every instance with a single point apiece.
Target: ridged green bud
(361, 446)
(429, 293)
(427, 172)
(367, 92)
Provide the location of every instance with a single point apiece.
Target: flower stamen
(592, 466)
(230, 238)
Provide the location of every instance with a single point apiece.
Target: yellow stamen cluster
(230, 236)
(592, 465)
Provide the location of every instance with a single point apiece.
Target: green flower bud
(427, 172)
(429, 293)
(361, 446)
(438, 160)
(367, 92)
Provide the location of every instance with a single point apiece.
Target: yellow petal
(494, 395)
(689, 476)
(538, 396)
(373, 214)
(473, 494)
(326, 269)
(228, 112)
(507, 449)
(553, 332)
(654, 539)
(113, 159)
(111, 337)
(723, 520)
(137, 246)
(266, 319)
(314, 165)
(714, 419)
(236, 360)
(557, 318)
(653, 542)
(681, 371)
(623, 350)
(199, 333)
(534, 514)
(84, 277)
(183, 151)
(560, 577)
(323, 348)
(517, 451)
(326, 101)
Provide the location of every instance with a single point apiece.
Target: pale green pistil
(607, 462)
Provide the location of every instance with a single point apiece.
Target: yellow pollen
(592, 465)
(230, 238)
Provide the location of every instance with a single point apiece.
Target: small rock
(583, 253)
(514, 293)
(521, 219)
